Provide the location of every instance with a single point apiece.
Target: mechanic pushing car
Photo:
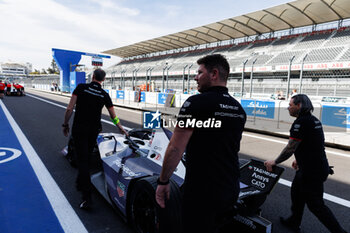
(306, 141)
(89, 100)
(2, 89)
(209, 127)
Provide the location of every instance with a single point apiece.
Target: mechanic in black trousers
(306, 141)
(88, 100)
(209, 127)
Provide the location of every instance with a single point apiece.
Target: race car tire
(252, 204)
(145, 214)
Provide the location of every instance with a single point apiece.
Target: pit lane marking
(69, 220)
(326, 196)
(62, 106)
(285, 143)
(15, 154)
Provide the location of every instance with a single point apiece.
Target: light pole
(251, 78)
(147, 76)
(301, 74)
(242, 83)
(164, 68)
(150, 78)
(132, 80)
(124, 77)
(288, 79)
(188, 77)
(183, 79)
(114, 78)
(167, 77)
(122, 82)
(136, 76)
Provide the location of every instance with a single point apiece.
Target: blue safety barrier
(24, 206)
(264, 109)
(143, 96)
(162, 98)
(338, 116)
(120, 95)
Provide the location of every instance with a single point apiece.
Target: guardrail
(330, 114)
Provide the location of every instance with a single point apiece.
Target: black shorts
(2, 91)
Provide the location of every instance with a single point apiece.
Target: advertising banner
(120, 95)
(142, 96)
(338, 116)
(162, 98)
(265, 109)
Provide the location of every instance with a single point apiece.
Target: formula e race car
(14, 89)
(127, 169)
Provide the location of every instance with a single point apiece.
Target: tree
(53, 69)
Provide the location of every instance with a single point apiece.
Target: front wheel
(146, 216)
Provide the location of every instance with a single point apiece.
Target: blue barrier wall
(143, 96)
(120, 95)
(265, 109)
(338, 116)
(162, 98)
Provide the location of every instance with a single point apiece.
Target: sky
(30, 29)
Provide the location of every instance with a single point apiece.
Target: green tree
(53, 69)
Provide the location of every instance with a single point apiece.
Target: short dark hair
(99, 74)
(217, 61)
(306, 105)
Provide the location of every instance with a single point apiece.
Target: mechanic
(8, 88)
(209, 127)
(306, 141)
(2, 89)
(89, 100)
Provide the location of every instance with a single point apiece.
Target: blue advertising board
(338, 116)
(162, 98)
(265, 109)
(120, 95)
(142, 96)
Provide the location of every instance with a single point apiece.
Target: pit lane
(41, 122)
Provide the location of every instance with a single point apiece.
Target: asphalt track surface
(40, 115)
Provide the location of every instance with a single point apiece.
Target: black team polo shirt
(212, 152)
(90, 100)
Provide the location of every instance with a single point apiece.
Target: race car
(14, 89)
(126, 170)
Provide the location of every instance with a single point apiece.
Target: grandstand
(258, 45)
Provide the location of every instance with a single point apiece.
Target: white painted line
(329, 197)
(284, 142)
(326, 196)
(67, 217)
(47, 101)
(62, 106)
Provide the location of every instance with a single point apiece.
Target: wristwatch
(65, 125)
(162, 183)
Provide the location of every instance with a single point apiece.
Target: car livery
(127, 169)
(14, 89)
